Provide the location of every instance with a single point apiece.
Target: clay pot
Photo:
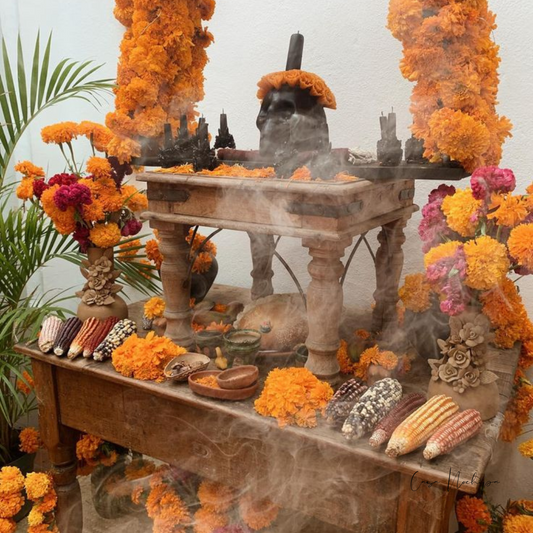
(238, 378)
(118, 308)
(219, 394)
(485, 398)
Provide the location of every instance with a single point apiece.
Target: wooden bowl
(239, 377)
(219, 394)
(181, 367)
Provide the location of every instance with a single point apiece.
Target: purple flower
(72, 195)
(118, 170)
(63, 179)
(487, 180)
(81, 235)
(131, 228)
(440, 193)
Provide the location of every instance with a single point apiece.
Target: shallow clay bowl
(239, 377)
(200, 362)
(219, 394)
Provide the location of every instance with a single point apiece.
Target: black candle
(296, 49)
(223, 123)
(383, 125)
(184, 128)
(168, 135)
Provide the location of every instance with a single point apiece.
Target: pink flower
(72, 195)
(486, 180)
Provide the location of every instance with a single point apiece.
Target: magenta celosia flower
(433, 228)
(39, 186)
(440, 193)
(72, 195)
(487, 180)
(63, 179)
(81, 235)
(131, 228)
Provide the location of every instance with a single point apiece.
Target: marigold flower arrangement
(160, 70)
(384, 358)
(145, 358)
(94, 205)
(11, 498)
(293, 396)
(40, 490)
(448, 52)
(93, 451)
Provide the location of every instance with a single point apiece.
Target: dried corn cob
(120, 332)
(99, 335)
(66, 335)
(49, 330)
(82, 338)
(373, 405)
(460, 428)
(343, 401)
(420, 425)
(385, 427)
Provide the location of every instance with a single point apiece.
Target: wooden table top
(462, 469)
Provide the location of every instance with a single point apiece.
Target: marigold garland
(293, 396)
(11, 499)
(145, 358)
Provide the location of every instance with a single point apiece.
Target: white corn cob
(49, 330)
(373, 405)
(460, 428)
(416, 429)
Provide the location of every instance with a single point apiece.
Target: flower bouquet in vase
(475, 241)
(94, 206)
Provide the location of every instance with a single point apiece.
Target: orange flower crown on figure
(298, 78)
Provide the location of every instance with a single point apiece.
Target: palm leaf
(49, 84)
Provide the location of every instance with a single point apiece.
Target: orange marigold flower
(26, 384)
(215, 497)
(520, 245)
(293, 396)
(138, 469)
(487, 263)
(363, 334)
(63, 132)
(11, 480)
(180, 169)
(105, 235)
(88, 448)
(473, 514)
(343, 358)
(368, 357)
(257, 513)
(153, 253)
(442, 251)
(508, 210)
(145, 358)
(526, 449)
(388, 360)
(136, 494)
(48, 503)
(30, 440)
(301, 174)
(123, 148)
(206, 521)
(199, 239)
(218, 326)
(129, 250)
(36, 517)
(461, 210)
(154, 308)
(133, 199)
(98, 134)
(99, 167)
(10, 504)
(64, 221)
(25, 189)
(7, 525)
(220, 308)
(518, 524)
(29, 169)
(37, 485)
(202, 263)
(416, 293)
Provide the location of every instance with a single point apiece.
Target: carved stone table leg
(60, 441)
(324, 306)
(262, 247)
(389, 265)
(176, 283)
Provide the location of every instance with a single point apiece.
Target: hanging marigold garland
(160, 71)
(449, 53)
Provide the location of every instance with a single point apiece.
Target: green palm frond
(26, 91)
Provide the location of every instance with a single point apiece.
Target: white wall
(346, 43)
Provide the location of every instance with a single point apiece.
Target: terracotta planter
(25, 465)
(118, 308)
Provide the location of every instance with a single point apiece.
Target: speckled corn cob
(49, 331)
(99, 335)
(416, 429)
(120, 332)
(343, 401)
(385, 427)
(66, 335)
(460, 428)
(82, 338)
(373, 405)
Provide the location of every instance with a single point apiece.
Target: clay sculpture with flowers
(99, 296)
(462, 372)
